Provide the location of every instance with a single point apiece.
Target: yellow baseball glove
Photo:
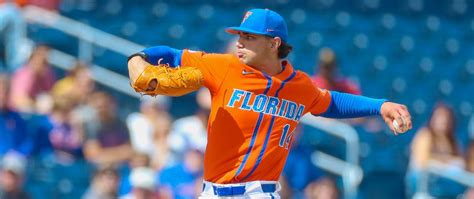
(164, 80)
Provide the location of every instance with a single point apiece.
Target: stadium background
(415, 52)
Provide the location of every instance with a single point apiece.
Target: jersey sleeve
(214, 67)
(321, 101)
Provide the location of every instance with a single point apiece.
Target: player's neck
(270, 67)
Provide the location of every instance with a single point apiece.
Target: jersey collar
(287, 70)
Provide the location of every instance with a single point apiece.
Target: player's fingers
(389, 123)
(400, 121)
(404, 107)
(406, 117)
(152, 85)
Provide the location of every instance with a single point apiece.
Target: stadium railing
(88, 36)
(349, 168)
(436, 168)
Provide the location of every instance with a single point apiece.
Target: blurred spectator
(470, 157)
(231, 48)
(191, 132)
(104, 184)
(470, 167)
(78, 84)
(35, 77)
(285, 191)
(66, 135)
(143, 184)
(149, 129)
(324, 188)
(13, 30)
(11, 177)
(44, 104)
(436, 142)
(299, 171)
(51, 5)
(13, 131)
(110, 141)
(180, 181)
(328, 76)
(162, 154)
(138, 160)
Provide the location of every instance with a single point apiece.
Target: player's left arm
(345, 105)
(154, 71)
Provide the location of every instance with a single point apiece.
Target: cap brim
(237, 30)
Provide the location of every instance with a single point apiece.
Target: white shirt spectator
(188, 133)
(142, 128)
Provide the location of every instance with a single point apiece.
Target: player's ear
(276, 42)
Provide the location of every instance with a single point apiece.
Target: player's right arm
(343, 105)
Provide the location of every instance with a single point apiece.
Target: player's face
(253, 49)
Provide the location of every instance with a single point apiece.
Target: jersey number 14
(285, 137)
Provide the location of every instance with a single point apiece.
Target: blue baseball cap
(262, 22)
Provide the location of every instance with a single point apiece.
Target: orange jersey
(252, 117)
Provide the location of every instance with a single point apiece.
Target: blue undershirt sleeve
(168, 55)
(345, 105)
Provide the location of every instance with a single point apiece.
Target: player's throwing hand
(396, 116)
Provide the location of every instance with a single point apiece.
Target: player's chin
(244, 60)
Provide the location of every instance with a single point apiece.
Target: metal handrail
(436, 168)
(80, 30)
(349, 168)
(113, 80)
(338, 129)
(86, 35)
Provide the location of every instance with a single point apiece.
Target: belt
(240, 190)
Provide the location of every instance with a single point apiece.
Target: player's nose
(239, 44)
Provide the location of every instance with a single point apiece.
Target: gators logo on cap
(246, 16)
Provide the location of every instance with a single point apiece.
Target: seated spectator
(299, 171)
(470, 165)
(470, 157)
(13, 34)
(191, 132)
(138, 160)
(181, 180)
(231, 47)
(143, 184)
(13, 131)
(285, 190)
(109, 143)
(51, 5)
(35, 77)
(328, 76)
(324, 188)
(11, 177)
(78, 84)
(436, 142)
(149, 129)
(104, 184)
(162, 154)
(66, 136)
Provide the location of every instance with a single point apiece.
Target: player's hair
(284, 49)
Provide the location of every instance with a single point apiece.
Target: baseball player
(258, 99)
